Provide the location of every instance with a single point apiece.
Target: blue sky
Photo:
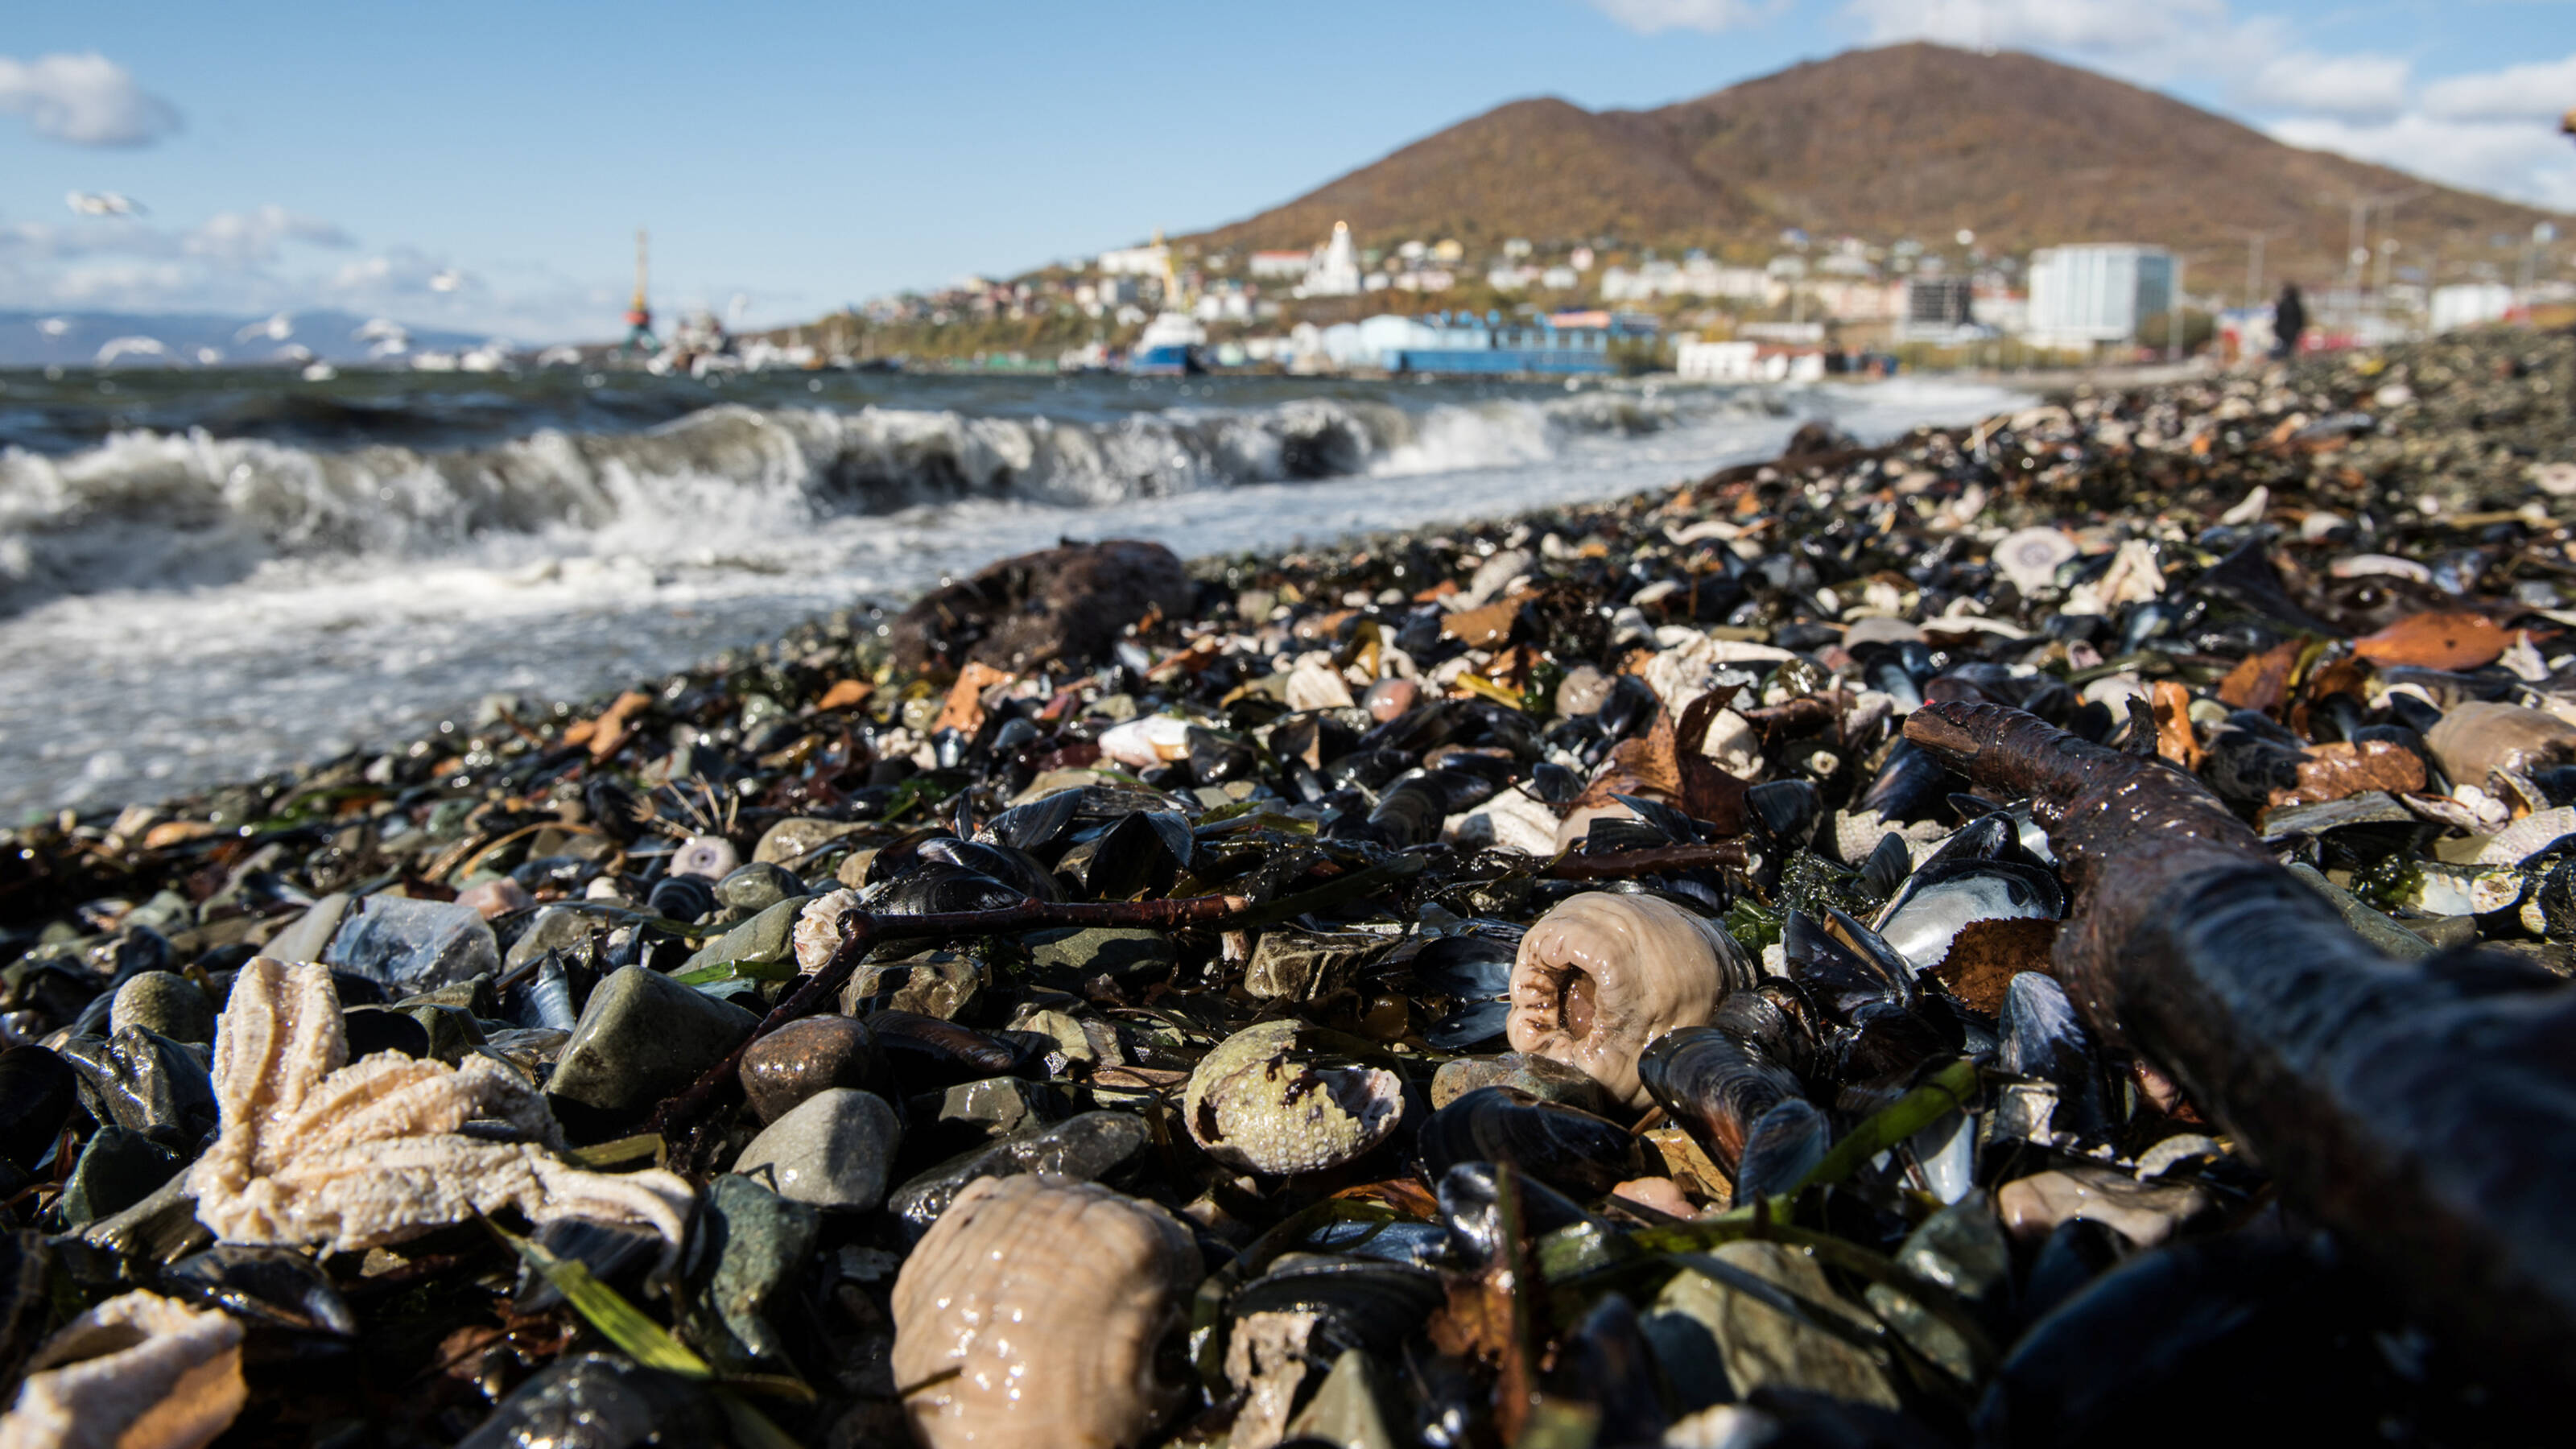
(802, 156)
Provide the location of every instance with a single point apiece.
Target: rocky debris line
(2049, 931)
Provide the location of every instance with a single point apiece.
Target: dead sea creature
(1254, 1105)
(313, 1149)
(1040, 1311)
(137, 1372)
(2424, 1114)
(1604, 974)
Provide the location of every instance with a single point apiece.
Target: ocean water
(206, 576)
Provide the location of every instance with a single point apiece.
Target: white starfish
(314, 1150)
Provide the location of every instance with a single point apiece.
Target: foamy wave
(155, 510)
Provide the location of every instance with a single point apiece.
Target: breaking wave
(159, 510)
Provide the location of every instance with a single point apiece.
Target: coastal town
(1811, 307)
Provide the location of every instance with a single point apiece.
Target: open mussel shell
(1716, 1085)
(1944, 897)
(1568, 1149)
(1883, 1050)
(1842, 963)
(276, 1286)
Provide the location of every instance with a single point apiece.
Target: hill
(1909, 140)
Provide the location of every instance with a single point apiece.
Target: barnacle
(1604, 974)
(818, 928)
(1045, 1313)
(137, 1372)
(1253, 1104)
(313, 1149)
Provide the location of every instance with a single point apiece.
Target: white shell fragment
(312, 1149)
(1040, 1313)
(1256, 1106)
(1603, 974)
(137, 1372)
(1142, 744)
(2030, 557)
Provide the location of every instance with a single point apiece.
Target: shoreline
(1874, 865)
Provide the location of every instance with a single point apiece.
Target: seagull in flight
(104, 203)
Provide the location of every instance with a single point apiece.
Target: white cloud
(2541, 91)
(2140, 40)
(2494, 132)
(2334, 85)
(87, 100)
(1647, 17)
(2516, 159)
(256, 238)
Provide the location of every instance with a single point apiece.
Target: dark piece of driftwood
(2426, 1111)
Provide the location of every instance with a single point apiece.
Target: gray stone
(757, 887)
(1114, 951)
(999, 1105)
(799, 836)
(409, 946)
(1540, 1077)
(163, 1002)
(1763, 1345)
(755, 1240)
(552, 928)
(768, 936)
(936, 983)
(642, 1037)
(1307, 965)
(831, 1150)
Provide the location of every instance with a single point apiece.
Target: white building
(2467, 304)
(1717, 361)
(1697, 277)
(2099, 292)
(1144, 261)
(1281, 265)
(1335, 271)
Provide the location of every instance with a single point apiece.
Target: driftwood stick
(2426, 1111)
(862, 931)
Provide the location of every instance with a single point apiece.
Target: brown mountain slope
(1910, 140)
(1565, 170)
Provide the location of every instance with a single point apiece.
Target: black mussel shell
(1787, 808)
(1568, 1149)
(1470, 1196)
(2042, 1039)
(1088, 1147)
(1364, 1303)
(935, 887)
(1910, 786)
(1015, 868)
(1880, 1054)
(145, 1083)
(275, 1286)
(37, 1091)
(1554, 783)
(594, 1401)
(926, 1051)
(1036, 826)
(1837, 967)
(1782, 1147)
(681, 897)
(1714, 1084)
